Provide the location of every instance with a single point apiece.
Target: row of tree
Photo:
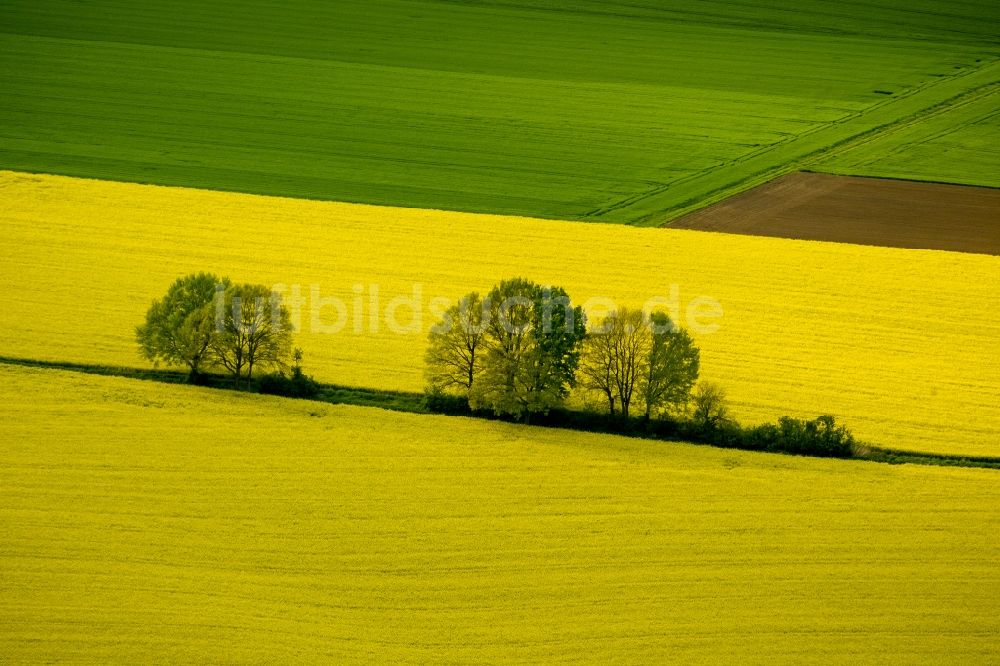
(208, 323)
(522, 348)
(518, 351)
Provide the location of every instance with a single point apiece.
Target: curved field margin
(149, 523)
(867, 211)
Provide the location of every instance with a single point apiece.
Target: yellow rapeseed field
(904, 345)
(145, 522)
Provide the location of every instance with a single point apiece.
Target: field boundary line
(647, 213)
(413, 403)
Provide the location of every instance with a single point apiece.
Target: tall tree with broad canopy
(179, 327)
(673, 367)
(253, 329)
(533, 339)
(616, 358)
(630, 358)
(455, 345)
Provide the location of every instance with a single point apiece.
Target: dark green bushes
(440, 402)
(818, 437)
(297, 385)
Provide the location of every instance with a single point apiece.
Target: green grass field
(615, 111)
(960, 145)
(144, 522)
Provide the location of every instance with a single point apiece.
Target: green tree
(253, 329)
(711, 409)
(615, 358)
(630, 358)
(179, 327)
(452, 360)
(533, 339)
(672, 367)
(501, 385)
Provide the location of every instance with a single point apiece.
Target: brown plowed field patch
(867, 211)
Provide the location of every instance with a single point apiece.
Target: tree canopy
(204, 322)
(531, 337)
(254, 330)
(455, 346)
(630, 358)
(178, 329)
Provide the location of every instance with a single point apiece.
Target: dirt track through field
(867, 211)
